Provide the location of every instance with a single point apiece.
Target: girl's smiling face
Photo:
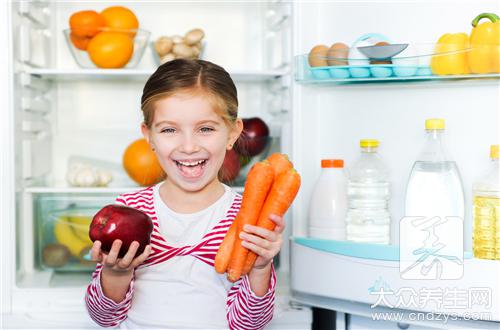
(190, 139)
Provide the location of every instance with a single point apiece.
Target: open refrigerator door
(347, 96)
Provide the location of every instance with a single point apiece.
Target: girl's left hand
(265, 243)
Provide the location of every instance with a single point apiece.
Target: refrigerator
(56, 113)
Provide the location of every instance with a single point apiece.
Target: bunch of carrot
(270, 188)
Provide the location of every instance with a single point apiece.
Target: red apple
(254, 137)
(124, 223)
(230, 167)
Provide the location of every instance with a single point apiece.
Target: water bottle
(486, 211)
(368, 193)
(434, 187)
(328, 205)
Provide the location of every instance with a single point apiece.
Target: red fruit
(124, 223)
(230, 167)
(254, 137)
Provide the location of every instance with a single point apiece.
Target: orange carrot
(281, 196)
(258, 183)
(225, 249)
(280, 163)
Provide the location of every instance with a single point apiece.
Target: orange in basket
(110, 50)
(120, 19)
(86, 23)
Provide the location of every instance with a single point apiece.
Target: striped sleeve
(104, 311)
(245, 310)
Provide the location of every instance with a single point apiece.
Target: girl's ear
(235, 132)
(145, 132)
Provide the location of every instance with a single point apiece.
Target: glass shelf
(413, 62)
(356, 249)
(143, 74)
(92, 190)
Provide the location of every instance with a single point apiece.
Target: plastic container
(83, 60)
(486, 211)
(412, 63)
(62, 222)
(328, 205)
(368, 193)
(434, 187)
(358, 62)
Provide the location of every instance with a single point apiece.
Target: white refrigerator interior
(55, 112)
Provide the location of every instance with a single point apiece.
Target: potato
(194, 36)
(163, 46)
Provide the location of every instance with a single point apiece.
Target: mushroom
(177, 39)
(194, 36)
(183, 50)
(167, 58)
(163, 46)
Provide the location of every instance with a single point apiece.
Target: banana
(65, 235)
(80, 225)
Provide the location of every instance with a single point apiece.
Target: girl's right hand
(115, 265)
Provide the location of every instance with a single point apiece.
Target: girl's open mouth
(191, 169)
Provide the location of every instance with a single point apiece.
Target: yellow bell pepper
(484, 56)
(450, 54)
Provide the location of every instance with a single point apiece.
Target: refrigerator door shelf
(343, 273)
(402, 69)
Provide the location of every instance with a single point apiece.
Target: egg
(387, 61)
(317, 56)
(337, 54)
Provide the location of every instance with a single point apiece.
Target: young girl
(190, 112)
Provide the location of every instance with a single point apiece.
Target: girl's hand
(265, 243)
(119, 266)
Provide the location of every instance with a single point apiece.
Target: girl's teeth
(191, 163)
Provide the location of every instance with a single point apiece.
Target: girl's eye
(206, 129)
(168, 130)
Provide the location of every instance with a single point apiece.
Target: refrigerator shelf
(357, 250)
(327, 69)
(143, 74)
(91, 190)
(331, 272)
(425, 78)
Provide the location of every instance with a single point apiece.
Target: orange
(120, 19)
(79, 42)
(141, 164)
(110, 50)
(86, 23)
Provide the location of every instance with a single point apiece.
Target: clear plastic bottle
(434, 187)
(368, 193)
(328, 202)
(486, 211)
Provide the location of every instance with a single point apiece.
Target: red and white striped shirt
(205, 300)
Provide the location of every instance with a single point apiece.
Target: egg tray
(368, 71)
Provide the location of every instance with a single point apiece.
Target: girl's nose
(189, 144)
